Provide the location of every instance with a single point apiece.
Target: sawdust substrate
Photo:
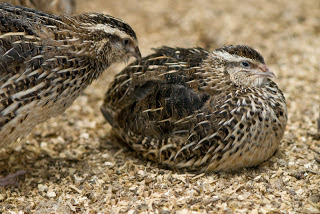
(74, 166)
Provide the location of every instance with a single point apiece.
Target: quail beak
(264, 71)
(136, 53)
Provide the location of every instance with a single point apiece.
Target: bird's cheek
(116, 47)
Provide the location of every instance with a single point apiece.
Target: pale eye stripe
(229, 57)
(108, 29)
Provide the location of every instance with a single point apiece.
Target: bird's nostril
(264, 68)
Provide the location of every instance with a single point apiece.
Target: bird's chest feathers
(252, 107)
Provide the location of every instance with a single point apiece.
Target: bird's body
(199, 110)
(46, 61)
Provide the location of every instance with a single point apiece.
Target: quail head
(46, 61)
(199, 110)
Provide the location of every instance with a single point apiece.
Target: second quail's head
(245, 66)
(115, 40)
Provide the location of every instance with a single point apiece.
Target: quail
(46, 61)
(198, 110)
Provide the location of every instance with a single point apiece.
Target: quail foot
(199, 110)
(46, 61)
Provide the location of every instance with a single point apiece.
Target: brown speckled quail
(46, 61)
(199, 110)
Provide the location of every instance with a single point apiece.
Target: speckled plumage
(199, 110)
(46, 61)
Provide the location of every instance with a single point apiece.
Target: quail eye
(245, 64)
(125, 41)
